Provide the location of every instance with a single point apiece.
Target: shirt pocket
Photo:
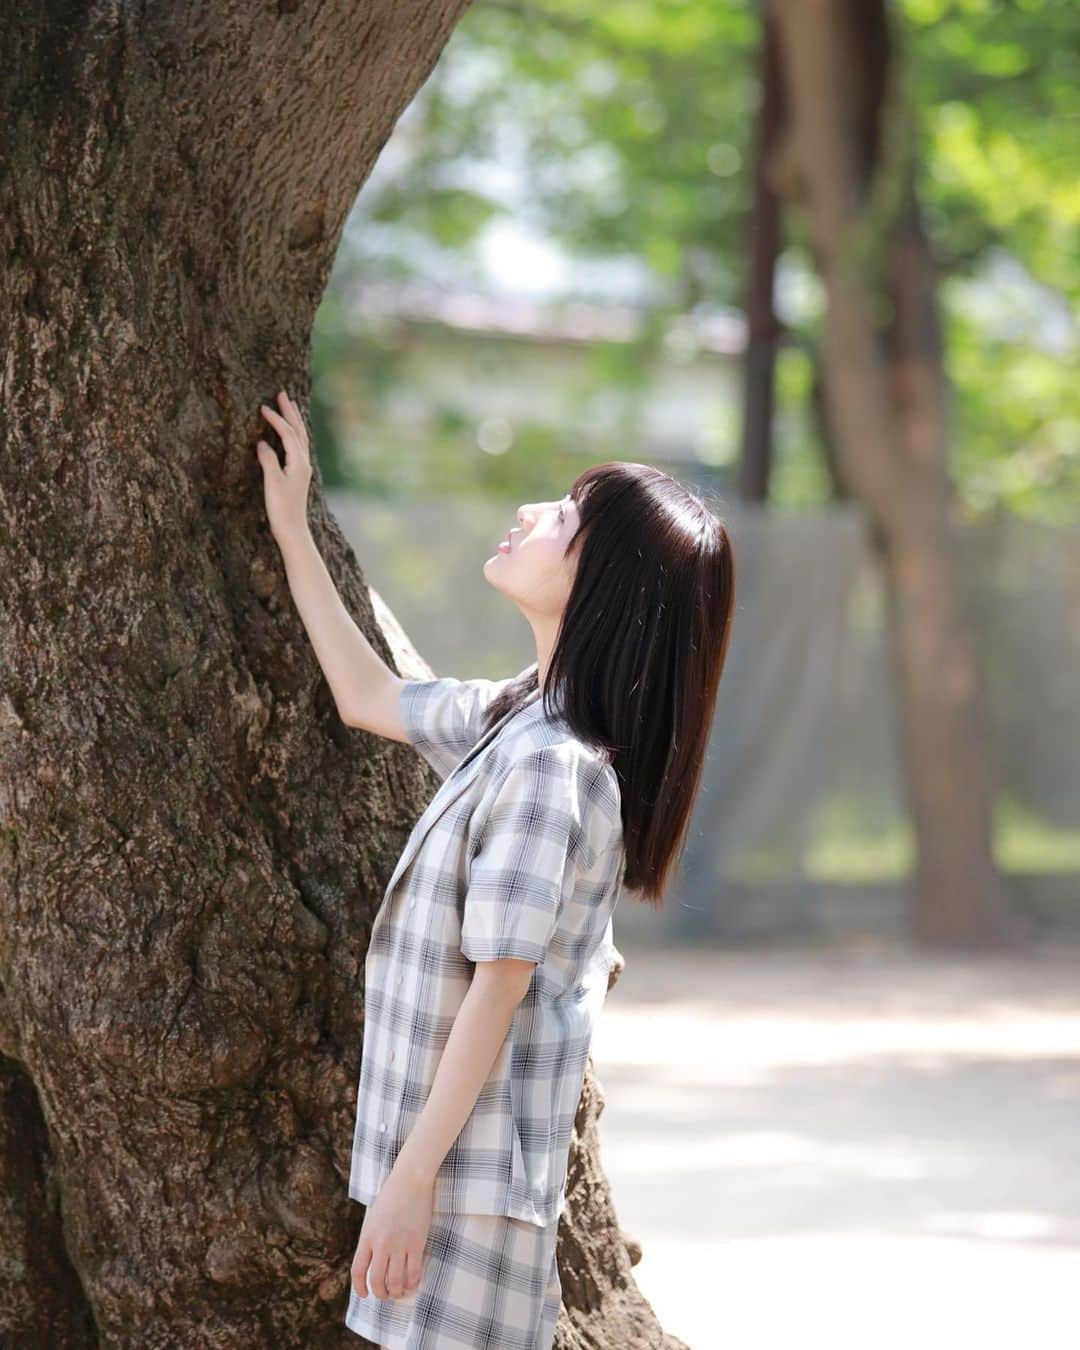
(519, 1171)
(517, 1154)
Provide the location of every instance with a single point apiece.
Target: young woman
(490, 953)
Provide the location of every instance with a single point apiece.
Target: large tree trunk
(852, 164)
(193, 845)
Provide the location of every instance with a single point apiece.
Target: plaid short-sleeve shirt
(519, 853)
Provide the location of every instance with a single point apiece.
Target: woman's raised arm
(364, 687)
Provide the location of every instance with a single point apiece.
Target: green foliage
(635, 123)
(995, 87)
(1017, 412)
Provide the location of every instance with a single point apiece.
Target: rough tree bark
(850, 166)
(192, 845)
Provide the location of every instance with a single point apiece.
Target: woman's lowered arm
(390, 1252)
(478, 1030)
(364, 687)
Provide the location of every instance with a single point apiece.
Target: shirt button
(412, 903)
(382, 1124)
(391, 1056)
(401, 979)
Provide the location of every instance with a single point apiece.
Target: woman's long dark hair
(640, 651)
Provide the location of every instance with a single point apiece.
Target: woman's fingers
(376, 1275)
(275, 419)
(267, 458)
(295, 419)
(360, 1267)
(287, 434)
(288, 410)
(414, 1266)
(395, 1274)
(290, 428)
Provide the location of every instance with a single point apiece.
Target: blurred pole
(763, 247)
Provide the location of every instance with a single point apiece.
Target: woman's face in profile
(530, 564)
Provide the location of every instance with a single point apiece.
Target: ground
(850, 1147)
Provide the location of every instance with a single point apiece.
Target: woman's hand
(286, 488)
(390, 1254)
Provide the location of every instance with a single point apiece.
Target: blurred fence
(801, 822)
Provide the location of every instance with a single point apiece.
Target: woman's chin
(492, 571)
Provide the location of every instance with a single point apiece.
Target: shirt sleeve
(443, 717)
(529, 849)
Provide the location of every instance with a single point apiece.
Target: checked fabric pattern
(518, 854)
(486, 1281)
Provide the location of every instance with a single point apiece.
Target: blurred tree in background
(624, 135)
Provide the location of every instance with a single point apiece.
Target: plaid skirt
(489, 1282)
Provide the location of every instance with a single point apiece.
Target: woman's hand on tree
(286, 488)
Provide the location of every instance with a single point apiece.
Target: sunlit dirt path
(852, 1149)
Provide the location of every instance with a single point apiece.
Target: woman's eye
(562, 513)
